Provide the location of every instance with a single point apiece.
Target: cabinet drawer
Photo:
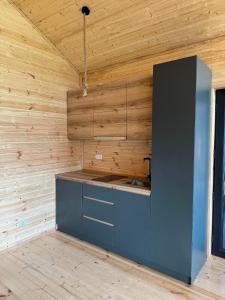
(99, 209)
(98, 232)
(100, 193)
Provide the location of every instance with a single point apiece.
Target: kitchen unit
(105, 213)
(160, 230)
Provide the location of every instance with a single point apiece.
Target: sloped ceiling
(122, 30)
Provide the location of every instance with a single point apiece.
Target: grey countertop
(87, 176)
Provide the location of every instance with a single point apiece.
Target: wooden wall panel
(211, 51)
(122, 157)
(34, 147)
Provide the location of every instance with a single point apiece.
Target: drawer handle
(98, 200)
(98, 221)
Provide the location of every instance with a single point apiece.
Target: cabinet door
(110, 113)
(133, 227)
(139, 111)
(68, 206)
(80, 116)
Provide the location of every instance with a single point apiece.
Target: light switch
(98, 156)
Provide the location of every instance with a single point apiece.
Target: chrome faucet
(149, 168)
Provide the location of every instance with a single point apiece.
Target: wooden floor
(56, 266)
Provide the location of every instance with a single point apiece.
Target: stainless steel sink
(109, 178)
(138, 182)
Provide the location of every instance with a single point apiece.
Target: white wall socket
(98, 156)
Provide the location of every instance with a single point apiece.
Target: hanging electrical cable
(85, 11)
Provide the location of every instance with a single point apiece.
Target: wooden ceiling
(122, 30)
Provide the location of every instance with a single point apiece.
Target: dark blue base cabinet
(114, 220)
(68, 206)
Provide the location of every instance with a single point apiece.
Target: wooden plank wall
(211, 51)
(122, 157)
(34, 147)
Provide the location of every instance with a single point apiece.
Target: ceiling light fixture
(85, 11)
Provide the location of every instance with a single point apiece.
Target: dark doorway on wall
(218, 232)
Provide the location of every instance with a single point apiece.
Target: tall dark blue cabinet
(180, 166)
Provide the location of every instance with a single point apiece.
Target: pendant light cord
(85, 85)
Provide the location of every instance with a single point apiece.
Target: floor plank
(57, 266)
(6, 293)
